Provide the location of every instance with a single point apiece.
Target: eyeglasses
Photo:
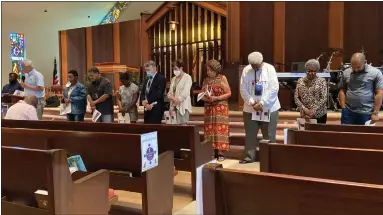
(310, 71)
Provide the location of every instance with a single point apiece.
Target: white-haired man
(259, 89)
(34, 85)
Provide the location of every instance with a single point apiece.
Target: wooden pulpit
(112, 72)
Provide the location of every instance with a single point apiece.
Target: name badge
(258, 89)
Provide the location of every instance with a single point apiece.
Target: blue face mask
(149, 74)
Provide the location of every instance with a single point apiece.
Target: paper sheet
(19, 93)
(65, 109)
(301, 123)
(96, 115)
(368, 123)
(263, 116)
(200, 96)
(123, 119)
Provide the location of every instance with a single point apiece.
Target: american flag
(55, 75)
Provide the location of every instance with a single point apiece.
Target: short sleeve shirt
(35, 78)
(96, 90)
(127, 94)
(360, 88)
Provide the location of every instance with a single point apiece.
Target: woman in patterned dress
(216, 109)
(311, 94)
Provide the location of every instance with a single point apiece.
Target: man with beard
(13, 84)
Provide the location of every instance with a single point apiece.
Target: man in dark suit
(152, 94)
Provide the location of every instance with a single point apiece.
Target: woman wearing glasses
(311, 94)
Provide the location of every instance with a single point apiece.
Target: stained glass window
(114, 13)
(17, 52)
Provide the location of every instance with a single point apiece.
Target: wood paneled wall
(287, 32)
(306, 31)
(196, 39)
(363, 27)
(81, 48)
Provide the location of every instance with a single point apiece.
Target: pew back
(35, 165)
(232, 192)
(357, 165)
(336, 139)
(344, 128)
(25, 171)
(98, 150)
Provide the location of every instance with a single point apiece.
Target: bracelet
(376, 113)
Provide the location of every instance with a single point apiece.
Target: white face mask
(177, 72)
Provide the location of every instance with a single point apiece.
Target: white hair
(255, 58)
(313, 64)
(27, 63)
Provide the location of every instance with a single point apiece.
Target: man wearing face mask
(360, 92)
(100, 94)
(179, 93)
(152, 94)
(13, 84)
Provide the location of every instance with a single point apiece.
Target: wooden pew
(344, 128)
(231, 192)
(25, 171)
(170, 138)
(115, 152)
(335, 139)
(357, 165)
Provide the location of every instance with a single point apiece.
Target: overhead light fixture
(173, 25)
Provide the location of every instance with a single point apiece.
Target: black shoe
(244, 161)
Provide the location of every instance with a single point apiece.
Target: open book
(263, 116)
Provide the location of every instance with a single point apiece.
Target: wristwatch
(376, 113)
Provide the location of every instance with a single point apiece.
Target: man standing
(34, 85)
(360, 92)
(100, 96)
(152, 95)
(259, 90)
(13, 84)
(75, 95)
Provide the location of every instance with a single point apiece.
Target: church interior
(330, 169)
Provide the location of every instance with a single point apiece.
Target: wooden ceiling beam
(220, 8)
(160, 12)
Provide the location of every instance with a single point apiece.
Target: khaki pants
(268, 129)
(40, 108)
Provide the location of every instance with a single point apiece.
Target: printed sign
(149, 151)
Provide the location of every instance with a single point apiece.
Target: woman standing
(311, 94)
(179, 93)
(127, 97)
(216, 109)
(75, 95)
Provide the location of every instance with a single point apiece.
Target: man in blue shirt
(34, 85)
(13, 84)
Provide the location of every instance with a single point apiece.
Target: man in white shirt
(34, 85)
(24, 109)
(259, 90)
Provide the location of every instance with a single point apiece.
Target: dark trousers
(322, 119)
(75, 117)
(153, 116)
(351, 118)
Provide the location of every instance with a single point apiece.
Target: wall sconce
(173, 25)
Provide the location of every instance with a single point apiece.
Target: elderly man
(259, 90)
(152, 94)
(24, 109)
(100, 94)
(34, 85)
(360, 92)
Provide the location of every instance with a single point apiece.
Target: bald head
(358, 61)
(31, 100)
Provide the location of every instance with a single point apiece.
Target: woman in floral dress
(216, 109)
